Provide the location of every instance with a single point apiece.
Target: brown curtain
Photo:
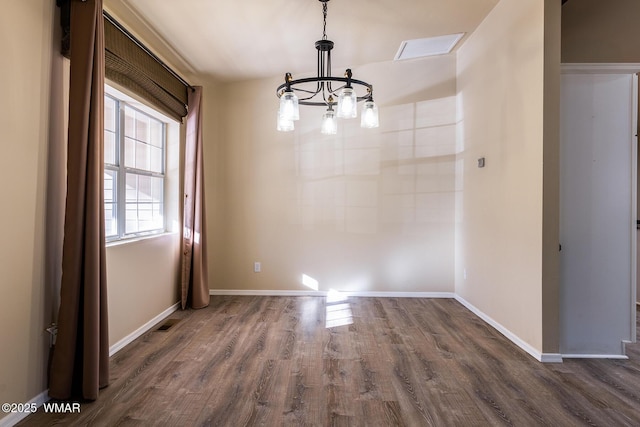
(195, 286)
(80, 364)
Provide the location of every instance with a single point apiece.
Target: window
(134, 170)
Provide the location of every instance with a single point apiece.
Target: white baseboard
(243, 292)
(141, 330)
(551, 358)
(541, 357)
(595, 356)
(14, 418)
(286, 293)
(621, 356)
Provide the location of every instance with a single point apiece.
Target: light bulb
(369, 118)
(329, 123)
(289, 106)
(347, 103)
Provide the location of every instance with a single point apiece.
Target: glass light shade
(329, 123)
(289, 106)
(347, 103)
(284, 125)
(369, 118)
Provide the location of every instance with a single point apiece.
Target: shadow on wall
(400, 179)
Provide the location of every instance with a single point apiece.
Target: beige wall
(595, 31)
(500, 94)
(25, 86)
(142, 278)
(366, 210)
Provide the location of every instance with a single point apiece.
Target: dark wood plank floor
(272, 361)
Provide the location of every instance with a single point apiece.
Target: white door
(598, 214)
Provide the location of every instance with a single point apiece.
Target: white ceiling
(247, 39)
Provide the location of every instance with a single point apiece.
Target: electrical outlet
(257, 267)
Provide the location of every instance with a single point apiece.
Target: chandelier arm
(322, 64)
(319, 70)
(312, 92)
(329, 68)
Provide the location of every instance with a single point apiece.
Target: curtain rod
(145, 48)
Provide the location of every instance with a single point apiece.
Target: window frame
(120, 170)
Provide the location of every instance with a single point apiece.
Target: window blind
(130, 64)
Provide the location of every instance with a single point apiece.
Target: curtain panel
(80, 360)
(194, 283)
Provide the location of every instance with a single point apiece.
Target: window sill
(137, 239)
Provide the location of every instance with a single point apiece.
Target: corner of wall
(551, 180)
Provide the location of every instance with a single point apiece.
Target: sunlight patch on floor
(338, 309)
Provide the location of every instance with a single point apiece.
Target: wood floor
(272, 361)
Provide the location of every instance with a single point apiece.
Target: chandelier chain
(324, 28)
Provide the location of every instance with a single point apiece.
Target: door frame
(634, 70)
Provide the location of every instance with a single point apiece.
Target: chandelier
(319, 91)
